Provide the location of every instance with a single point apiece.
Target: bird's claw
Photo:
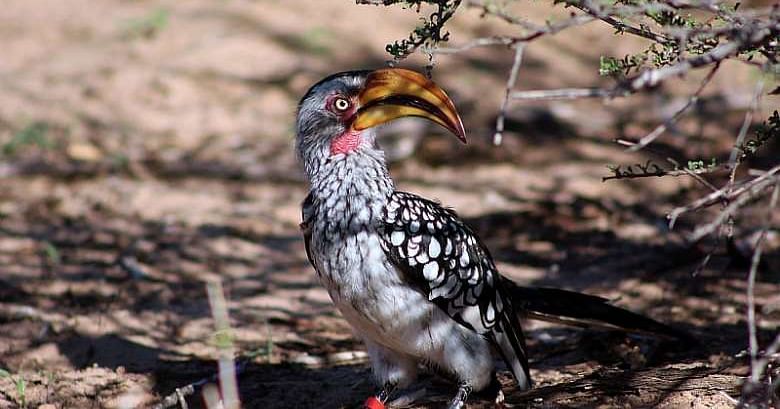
(499, 402)
(464, 390)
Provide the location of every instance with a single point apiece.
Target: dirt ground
(147, 148)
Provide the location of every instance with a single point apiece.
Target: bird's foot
(460, 398)
(500, 400)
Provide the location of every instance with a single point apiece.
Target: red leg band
(373, 403)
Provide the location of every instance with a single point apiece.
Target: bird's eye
(340, 104)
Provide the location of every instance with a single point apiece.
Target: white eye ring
(341, 104)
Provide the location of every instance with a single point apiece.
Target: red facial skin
(350, 139)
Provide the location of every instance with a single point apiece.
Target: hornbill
(415, 283)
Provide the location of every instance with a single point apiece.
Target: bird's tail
(583, 310)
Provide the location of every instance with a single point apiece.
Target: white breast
(376, 301)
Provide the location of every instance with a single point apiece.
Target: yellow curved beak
(392, 93)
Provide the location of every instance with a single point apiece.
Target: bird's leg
(378, 401)
(459, 400)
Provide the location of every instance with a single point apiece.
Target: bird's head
(338, 114)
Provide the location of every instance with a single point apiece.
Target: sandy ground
(147, 148)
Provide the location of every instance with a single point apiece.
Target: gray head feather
(316, 126)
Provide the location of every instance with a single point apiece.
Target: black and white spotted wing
(437, 252)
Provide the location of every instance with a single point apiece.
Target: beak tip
(460, 132)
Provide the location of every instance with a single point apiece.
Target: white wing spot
(414, 226)
(434, 249)
(431, 270)
(490, 313)
(397, 237)
(464, 257)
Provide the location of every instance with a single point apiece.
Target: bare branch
(563, 93)
(594, 10)
(660, 129)
(510, 83)
(724, 193)
(757, 190)
(479, 42)
(751, 298)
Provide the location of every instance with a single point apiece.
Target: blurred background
(147, 146)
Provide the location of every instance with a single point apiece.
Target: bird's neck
(352, 184)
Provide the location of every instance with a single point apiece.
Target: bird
(416, 284)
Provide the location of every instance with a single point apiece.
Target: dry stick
(227, 367)
(735, 157)
(660, 129)
(562, 93)
(228, 370)
(751, 301)
(510, 83)
(479, 42)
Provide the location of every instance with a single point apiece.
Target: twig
(563, 93)
(751, 300)
(735, 157)
(510, 83)
(660, 129)
(590, 8)
(511, 40)
(479, 42)
(652, 169)
(695, 175)
(722, 193)
(755, 191)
